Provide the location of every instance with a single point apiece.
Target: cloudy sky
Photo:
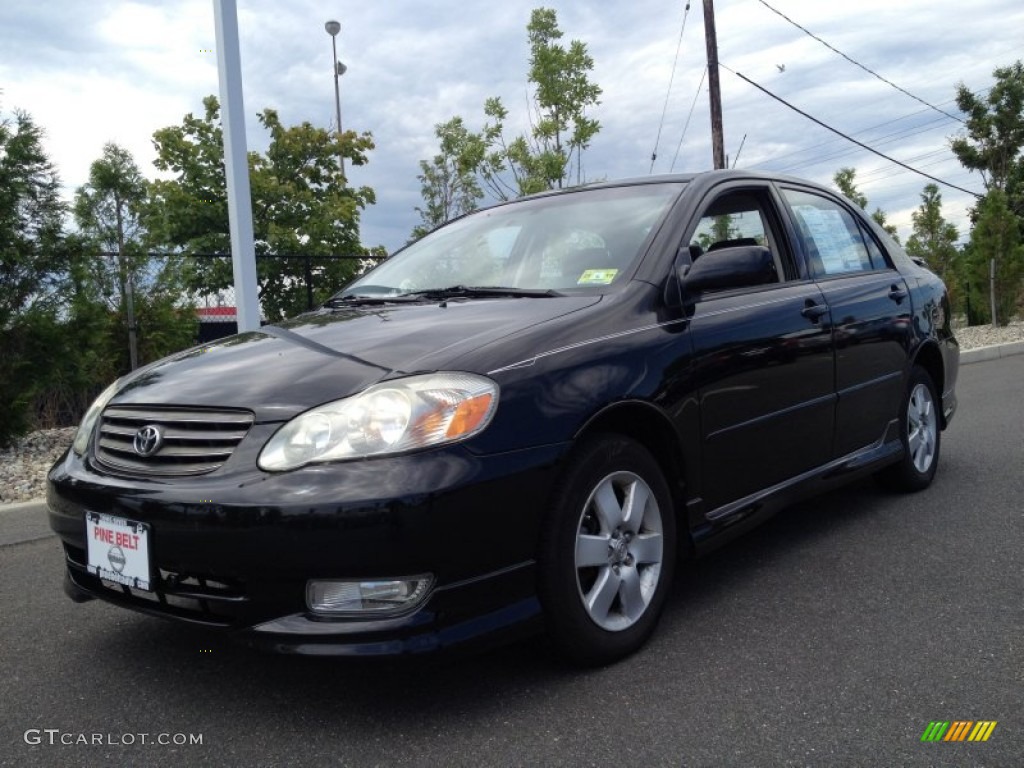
(98, 71)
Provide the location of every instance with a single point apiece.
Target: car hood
(328, 354)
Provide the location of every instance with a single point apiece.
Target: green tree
(994, 128)
(302, 206)
(31, 218)
(880, 219)
(993, 144)
(563, 93)
(993, 137)
(449, 182)
(551, 155)
(32, 260)
(147, 295)
(934, 238)
(107, 208)
(845, 180)
(996, 236)
(71, 349)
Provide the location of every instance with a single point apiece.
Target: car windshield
(585, 240)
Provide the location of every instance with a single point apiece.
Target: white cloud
(117, 71)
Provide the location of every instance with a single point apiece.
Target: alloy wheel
(619, 551)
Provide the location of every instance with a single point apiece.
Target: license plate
(118, 549)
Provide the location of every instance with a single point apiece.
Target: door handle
(813, 311)
(897, 294)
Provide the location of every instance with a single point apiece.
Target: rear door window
(833, 240)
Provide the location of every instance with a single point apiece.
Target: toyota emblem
(148, 440)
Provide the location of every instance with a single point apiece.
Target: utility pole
(127, 286)
(717, 139)
(992, 288)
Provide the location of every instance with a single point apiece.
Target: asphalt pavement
(831, 636)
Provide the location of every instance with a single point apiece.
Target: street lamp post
(333, 28)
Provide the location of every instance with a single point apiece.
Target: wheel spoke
(914, 441)
(915, 405)
(600, 598)
(631, 597)
(591, 550)
(921, 428)
(608, 508)
(635, 506)
(647, 548)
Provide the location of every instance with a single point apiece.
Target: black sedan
(520, 421)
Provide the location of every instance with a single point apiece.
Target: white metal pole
(236, 165)
(337, 100)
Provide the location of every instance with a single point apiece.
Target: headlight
(81, 441)
(391, 417)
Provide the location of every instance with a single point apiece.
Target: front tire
(608, 553)
(921, 436)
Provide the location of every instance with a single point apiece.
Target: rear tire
(608, 553)
(921, 436)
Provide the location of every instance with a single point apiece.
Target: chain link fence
(288, 284)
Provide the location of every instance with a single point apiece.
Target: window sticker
(597, 277)
(840, 251)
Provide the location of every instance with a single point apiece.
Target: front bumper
(235, 550)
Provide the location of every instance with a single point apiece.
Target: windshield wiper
(435, 294)
(496, 291)
(360, 299)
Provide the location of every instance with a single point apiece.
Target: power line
(869, 180)
(687, 125)
(836, 155)
(885, 172)
(849, 138)
(887, 139)
(870, 128)
(898, 187)
(885, 169)
(883, 139)
(668, 93)
(931, 157)
(857, 63)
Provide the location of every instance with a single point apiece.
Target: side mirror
(742, 266)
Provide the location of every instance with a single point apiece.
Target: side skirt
(736, 517)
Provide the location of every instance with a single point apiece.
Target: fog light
(366, 597)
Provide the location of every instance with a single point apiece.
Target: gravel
(985, 335)
(23, 467)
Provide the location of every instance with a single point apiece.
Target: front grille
(192, 598)
(193, 440)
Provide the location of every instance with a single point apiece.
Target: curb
(26, 507)
(991, 352)
(23, 522)
(967, 357)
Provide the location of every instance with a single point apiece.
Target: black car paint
(811, 369)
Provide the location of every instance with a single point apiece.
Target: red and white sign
(118, 549)
(216, 314)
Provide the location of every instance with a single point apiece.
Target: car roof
(703, 178)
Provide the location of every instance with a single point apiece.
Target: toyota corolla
(521, 421)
